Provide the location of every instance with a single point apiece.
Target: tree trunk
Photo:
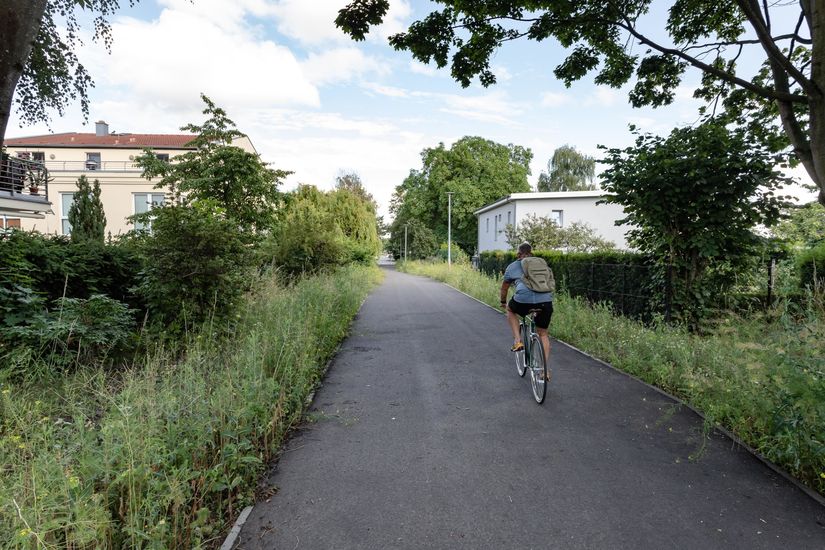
(19, 25)
(817, 101)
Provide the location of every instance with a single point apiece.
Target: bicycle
(532, 356)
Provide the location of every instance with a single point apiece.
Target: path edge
(719, 428)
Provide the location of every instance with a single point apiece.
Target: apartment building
(104, 156)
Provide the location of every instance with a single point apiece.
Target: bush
(626, 280)
(457, 255)
(811, 264)
(77, 330)
(197, 267)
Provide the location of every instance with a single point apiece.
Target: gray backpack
(537, 275)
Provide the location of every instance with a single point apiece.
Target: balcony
(92, 165)
(24, 188)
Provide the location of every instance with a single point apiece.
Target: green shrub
(811, 265)
(77, 330)
(457, 255)
(197, 267)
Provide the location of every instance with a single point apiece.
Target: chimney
(101, 128)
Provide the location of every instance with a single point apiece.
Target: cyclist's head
(524, 249)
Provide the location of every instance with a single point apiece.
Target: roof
(513, 197)
(125, 141)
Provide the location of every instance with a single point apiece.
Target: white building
(563, 207)
(104, 156)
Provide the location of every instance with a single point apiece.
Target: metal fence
(23, 179)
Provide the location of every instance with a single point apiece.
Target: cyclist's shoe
(548, 375)
(517, 347)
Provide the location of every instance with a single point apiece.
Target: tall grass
(164, 455)
(762, 377)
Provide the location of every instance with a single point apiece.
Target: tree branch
(751, 10)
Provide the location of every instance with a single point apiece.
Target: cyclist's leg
(542, 323)
(513, 321)
(545, 342)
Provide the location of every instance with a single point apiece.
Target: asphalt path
(424, 436)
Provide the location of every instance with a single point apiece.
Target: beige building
(103, 156)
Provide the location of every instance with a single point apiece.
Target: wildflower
(6, 391)
(24, 532)
(822, 475)
(74, 482)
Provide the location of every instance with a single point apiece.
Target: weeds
(761, 377)
(165, 454)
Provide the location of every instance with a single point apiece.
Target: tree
(543, 233)
(804, 226)
(236, 179)
(351, 181)
(568, 170)
(86, 216)
(783, 104)
(694, 198)
(476, 170)
(420, 240)
(38, 60)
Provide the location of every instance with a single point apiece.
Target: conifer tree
(86, 216)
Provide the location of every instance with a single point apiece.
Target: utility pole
(405, 241)
(450, 227)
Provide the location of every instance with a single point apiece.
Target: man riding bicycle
(525, 299)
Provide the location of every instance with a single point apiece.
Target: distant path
(425, 437)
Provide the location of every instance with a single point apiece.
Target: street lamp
(450, 227)
(405, 241)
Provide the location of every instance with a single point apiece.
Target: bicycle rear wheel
(538, 369)
(519, 356)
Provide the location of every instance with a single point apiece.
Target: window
(144, 202)
(9, 223)
(495, 226)
(39, 156)
(92, 161)
(488, 224)
(558, 217)
(162, 156)
(508, 217)
(66, 200)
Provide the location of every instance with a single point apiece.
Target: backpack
(537, 275)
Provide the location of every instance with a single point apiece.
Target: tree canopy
(38, 59)
(236, 179)
(476, 170)
(568, 170)
(783, 104)
(694, 198)
(543, 233)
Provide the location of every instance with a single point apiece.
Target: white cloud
(418, 67)
(495, 103)
(603, 97)
(312, 22)
(502, 74)
(555, 99)
(389, 91)
(168, 61)
(341, 65)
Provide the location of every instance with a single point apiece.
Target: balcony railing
(92, 165)
(23, 179)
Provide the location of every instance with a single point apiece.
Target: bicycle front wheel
(538, 369)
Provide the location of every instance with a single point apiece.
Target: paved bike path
(423, 436)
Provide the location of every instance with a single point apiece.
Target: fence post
(771, 280)
(590, 289)
(668, 292)
(624, 312)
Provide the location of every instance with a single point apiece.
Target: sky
(319, 104)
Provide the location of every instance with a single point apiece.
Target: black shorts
(542, 317)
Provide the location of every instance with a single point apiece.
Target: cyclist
(525, 299)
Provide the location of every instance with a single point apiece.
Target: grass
(167, 453)
(761, 377)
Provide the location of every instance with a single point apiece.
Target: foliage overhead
(86, 216)
(39, 68)
(694, 197)
(783, 104)
(476, 170)
(217, 170)
(543, 233)
(568, 170)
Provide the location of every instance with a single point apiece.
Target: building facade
(103, 156)
(562, 207)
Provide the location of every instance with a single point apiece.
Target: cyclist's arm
(505, 287)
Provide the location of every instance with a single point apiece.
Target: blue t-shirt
(524, 295)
